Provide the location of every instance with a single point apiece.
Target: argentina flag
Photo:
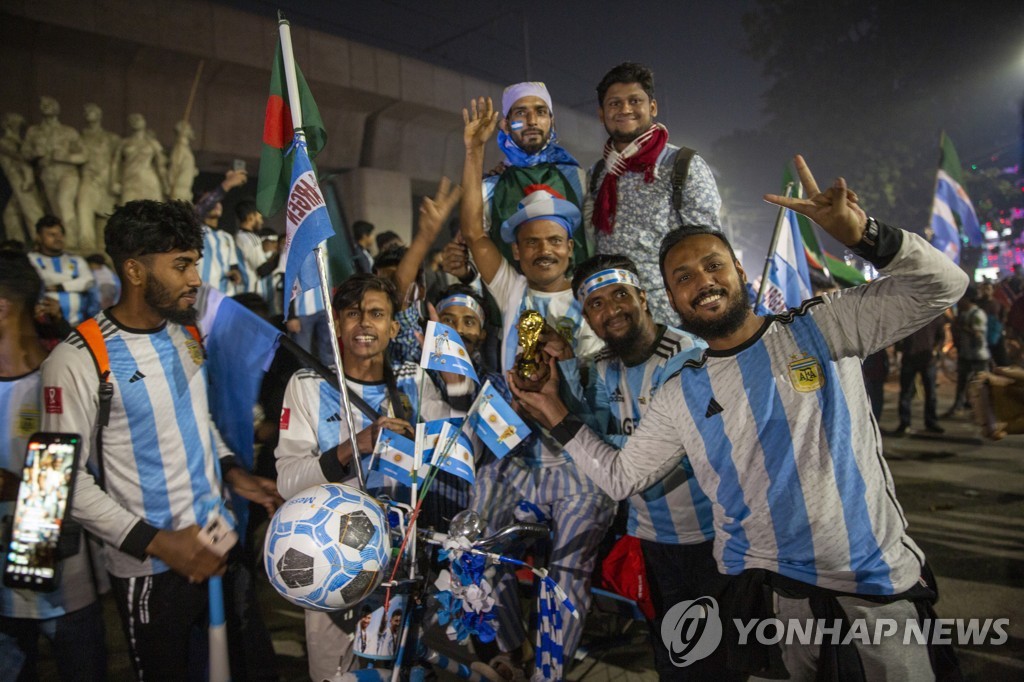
(459, 461)
(789, 280)
(952, 211)
(396, 456)
(308, 224)
(496, 423)
(444, 350)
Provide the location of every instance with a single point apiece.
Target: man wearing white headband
(539, 234)
(671, 520)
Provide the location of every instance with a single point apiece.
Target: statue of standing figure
(140, 167)
(95, 202)
(57, 151)
(24, 207)
(182, 171)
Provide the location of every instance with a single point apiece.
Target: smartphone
(238, 165)
(40, 512)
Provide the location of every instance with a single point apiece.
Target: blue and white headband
(606, 278)
(462, 300)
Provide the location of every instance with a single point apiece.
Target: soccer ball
(327, 548)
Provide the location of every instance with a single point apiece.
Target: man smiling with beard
(672, 518)
(777, 426)
(153, 463)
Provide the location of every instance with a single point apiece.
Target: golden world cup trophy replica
(531, 368)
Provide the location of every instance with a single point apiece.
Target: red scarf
(640, 155)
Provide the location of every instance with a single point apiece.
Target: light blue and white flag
(308, 224)
(459, 461)
(444, 350)
(789, 279)
(395, 456)
(496, 423)
(952, 211)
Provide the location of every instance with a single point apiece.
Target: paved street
(965, 502)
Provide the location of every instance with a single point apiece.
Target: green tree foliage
(864, 88)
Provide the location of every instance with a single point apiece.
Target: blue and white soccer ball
(327, 548)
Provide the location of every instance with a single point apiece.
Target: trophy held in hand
(531, 367)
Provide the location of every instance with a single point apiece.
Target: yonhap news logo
(691, 630)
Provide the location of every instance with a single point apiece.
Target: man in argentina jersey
(779, 431)
(70, 617)
(672, 518)
(68, 279)
(315, 446)
(307, 325)
(220, 266)
(149, 489)
(539, 235)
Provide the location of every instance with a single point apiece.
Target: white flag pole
(771, 249)
(321, 261)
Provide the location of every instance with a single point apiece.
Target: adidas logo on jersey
(334, 418)
(713, 409)
(138, 376)
(616, 396)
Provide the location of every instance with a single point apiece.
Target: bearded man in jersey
(777, 426)
(148, 480)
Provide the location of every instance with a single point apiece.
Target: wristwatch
(870, 236)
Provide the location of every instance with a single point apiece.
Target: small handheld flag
(395, 456)
(496, 423)
(459, 460)
(444, 350)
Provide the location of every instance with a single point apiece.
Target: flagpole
(779, 220)
(321, 261)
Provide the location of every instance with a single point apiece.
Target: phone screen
(40, 509)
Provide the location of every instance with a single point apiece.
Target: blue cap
(542, 205)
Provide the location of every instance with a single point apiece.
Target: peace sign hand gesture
(836, 209)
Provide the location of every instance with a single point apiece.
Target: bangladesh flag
(275, 167)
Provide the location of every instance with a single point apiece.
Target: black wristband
(565, 430)
(333, 470)
(880, 243)
(138, 539)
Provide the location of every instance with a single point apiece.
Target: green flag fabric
(815, 254)
(275, 167)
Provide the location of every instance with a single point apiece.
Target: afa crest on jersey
(806, 374)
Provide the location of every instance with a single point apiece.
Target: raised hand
(836, 209)
(481, 121)
(434, 212)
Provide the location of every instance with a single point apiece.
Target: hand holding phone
(41, 511)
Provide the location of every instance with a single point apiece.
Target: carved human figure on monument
(182, 171)
(56, 150)
(140, 167)
(24, 207)
(95, 201)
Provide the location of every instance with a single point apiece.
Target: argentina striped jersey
(782, 440)
(219, 254)
(20, 416)
(160, 448)
(78, 300)
(674, 510)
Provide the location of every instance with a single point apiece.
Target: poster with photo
(378, 634)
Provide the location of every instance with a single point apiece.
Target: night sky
(706, 85)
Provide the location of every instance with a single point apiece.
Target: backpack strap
(595, 173)
(93, 337)
(680, 171)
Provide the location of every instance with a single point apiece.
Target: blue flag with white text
(308, 224)
(444, 350)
